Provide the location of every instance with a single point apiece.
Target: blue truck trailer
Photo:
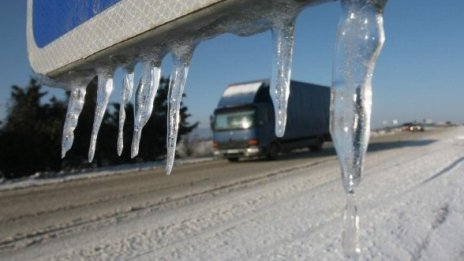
(243, 123)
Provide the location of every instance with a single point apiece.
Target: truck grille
(233, 144)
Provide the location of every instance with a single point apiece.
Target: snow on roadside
(41, 179)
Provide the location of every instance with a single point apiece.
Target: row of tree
(30, 136)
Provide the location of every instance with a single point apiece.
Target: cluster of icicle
(359, 41)
(144, 98)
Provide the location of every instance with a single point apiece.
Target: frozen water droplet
(145, 96)
(182, 55)
(75, 105)
(283, 38)
(359, 41)
(126, 94)
(105, 87)
(350, 235)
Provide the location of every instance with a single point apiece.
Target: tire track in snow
(439, 220)
(125, 215)
(445, 170)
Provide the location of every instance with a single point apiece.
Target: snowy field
(410, 202)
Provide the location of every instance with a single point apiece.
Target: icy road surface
(410, 203)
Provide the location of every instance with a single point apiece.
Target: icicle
(126, 94)
(360, 38)
(350, 234)
(283, 38)
(105, 87)
(75, 105)
(145, 96)
(182, 55)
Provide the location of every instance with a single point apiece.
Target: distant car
(413, 127)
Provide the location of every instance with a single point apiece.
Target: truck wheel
(318, 146)
(234, 159)
(273, 151)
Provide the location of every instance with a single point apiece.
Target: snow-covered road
(410, 207)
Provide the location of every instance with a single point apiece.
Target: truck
(243, 123)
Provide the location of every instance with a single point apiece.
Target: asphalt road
(33, 215)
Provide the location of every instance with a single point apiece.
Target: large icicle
(105, 87)
(182, 54)
(75, 105)
(359, 41)
(145, 96)
(126, 94)
(283, 38)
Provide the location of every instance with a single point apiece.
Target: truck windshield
(234, 120)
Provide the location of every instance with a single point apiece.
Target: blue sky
(418, 75)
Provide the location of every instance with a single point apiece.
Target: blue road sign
(54, 18)
(64, 35)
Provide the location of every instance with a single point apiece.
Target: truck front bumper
(233, 153)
